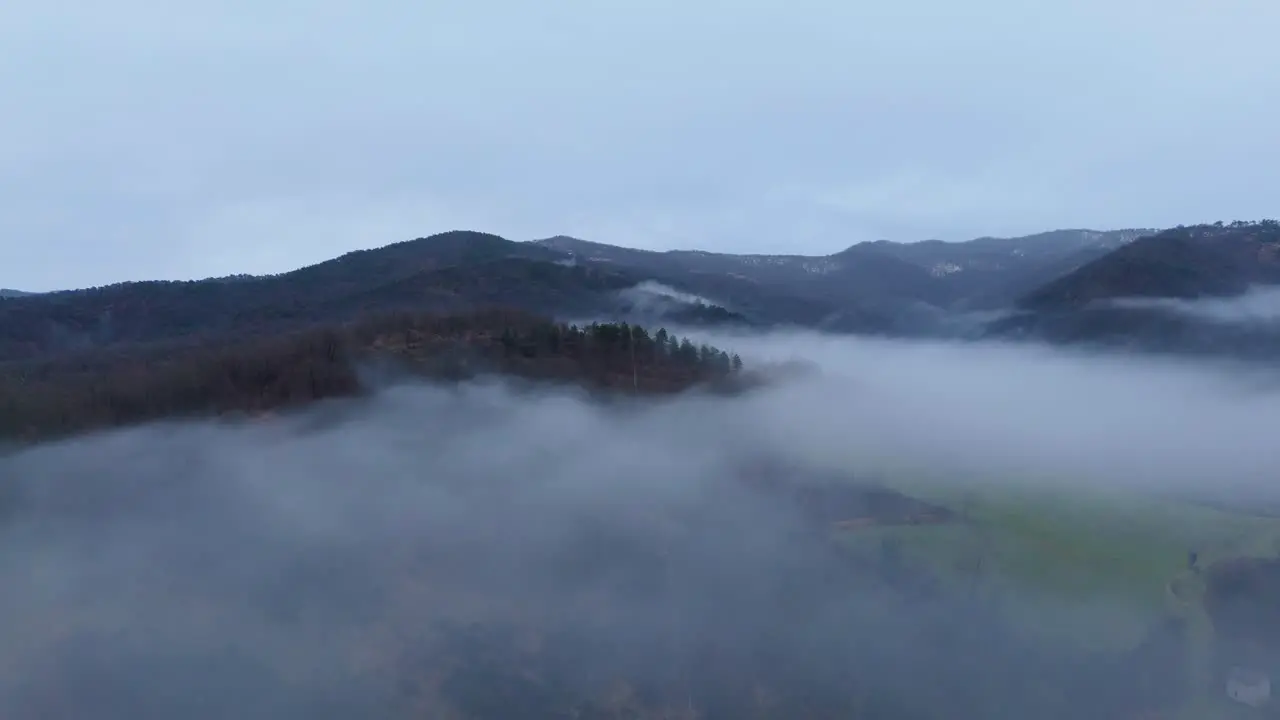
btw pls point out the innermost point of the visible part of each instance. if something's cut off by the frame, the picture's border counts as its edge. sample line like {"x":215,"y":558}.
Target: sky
{"x":142,"y":139}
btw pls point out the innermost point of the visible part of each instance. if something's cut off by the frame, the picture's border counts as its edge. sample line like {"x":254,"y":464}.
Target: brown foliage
{"x":139,"y":384}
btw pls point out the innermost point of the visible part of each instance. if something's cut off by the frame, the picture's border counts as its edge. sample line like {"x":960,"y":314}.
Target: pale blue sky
{"x":147,"y":139}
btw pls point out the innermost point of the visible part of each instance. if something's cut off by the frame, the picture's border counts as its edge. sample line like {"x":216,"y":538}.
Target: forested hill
{"x":448,"y":306}
{"x":1218,"y":260}
{"x":101,"y":389}
{"x":877,"y":288}
{"x":449,"y":272}
{"x":1138,"y":296}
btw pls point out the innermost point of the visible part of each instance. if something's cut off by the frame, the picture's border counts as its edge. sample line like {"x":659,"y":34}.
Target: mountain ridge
{"x":876,"y":272}
{"x":930,"y":288}
{"x":455,"y":271}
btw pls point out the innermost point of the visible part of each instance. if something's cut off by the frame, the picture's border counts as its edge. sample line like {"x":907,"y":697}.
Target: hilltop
{"x":451,"y":272}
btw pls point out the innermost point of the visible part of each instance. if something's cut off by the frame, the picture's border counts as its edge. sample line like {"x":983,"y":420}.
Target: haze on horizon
{"x":142,"y":140}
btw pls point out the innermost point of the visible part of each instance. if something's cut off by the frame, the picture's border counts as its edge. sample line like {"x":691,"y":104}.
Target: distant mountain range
{"x":7,"y":293}
{"x":1044,"y":286}
{"x":987,"y":272}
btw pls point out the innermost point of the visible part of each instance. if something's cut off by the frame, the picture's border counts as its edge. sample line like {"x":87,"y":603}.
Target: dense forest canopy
{"x":112,"y":387}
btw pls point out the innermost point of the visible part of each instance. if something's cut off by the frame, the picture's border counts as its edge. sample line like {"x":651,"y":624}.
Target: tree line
{"x":115,"y":387}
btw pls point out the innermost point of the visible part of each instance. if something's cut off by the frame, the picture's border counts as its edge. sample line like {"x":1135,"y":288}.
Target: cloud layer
{"x":1260,"y":306}
{"x":293,"y":567}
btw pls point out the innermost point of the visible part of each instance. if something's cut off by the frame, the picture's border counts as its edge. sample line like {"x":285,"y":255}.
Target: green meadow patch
{"x":1099,"y":564}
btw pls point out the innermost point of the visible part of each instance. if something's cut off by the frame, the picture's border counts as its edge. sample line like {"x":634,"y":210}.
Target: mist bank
{"x":425,"y":548}
{"x":1014,"y":412}
{"x":1239,"y":327}
{"x":1260,"y":305}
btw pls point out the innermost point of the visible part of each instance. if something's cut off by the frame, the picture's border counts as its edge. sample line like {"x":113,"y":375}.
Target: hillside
{"x":133,"y":312}
{"x":1128,"y":297}
{"x":1186,"y":262}
{"x":450,"y":272}
{"x":768,"y":289}
{"x":991,"y":272}
{"x":878,"y":281}
{"x":109,"y":388}
{"x":845,"y":279}
{"x":881,"y":287}
{"x":7,"y":293}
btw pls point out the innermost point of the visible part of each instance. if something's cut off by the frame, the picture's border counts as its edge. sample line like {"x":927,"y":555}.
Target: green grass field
{"x":1102,"y":561}
{"x":1103,"y":567}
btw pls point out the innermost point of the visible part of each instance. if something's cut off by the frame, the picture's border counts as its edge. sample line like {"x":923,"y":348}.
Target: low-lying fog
{"x":1259,"y":306}
{"x":310,"y":566}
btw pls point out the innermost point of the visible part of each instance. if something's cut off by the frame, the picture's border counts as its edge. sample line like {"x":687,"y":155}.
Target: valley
{"x":639,"y":361}
{"x":580,"y":480}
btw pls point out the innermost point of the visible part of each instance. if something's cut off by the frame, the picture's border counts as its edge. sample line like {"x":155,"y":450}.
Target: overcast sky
{"x":147,"y":139}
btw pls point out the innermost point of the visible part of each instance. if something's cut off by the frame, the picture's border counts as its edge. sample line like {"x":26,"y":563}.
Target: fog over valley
{"x":490,"y":551}
{"x":639,"y":360}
